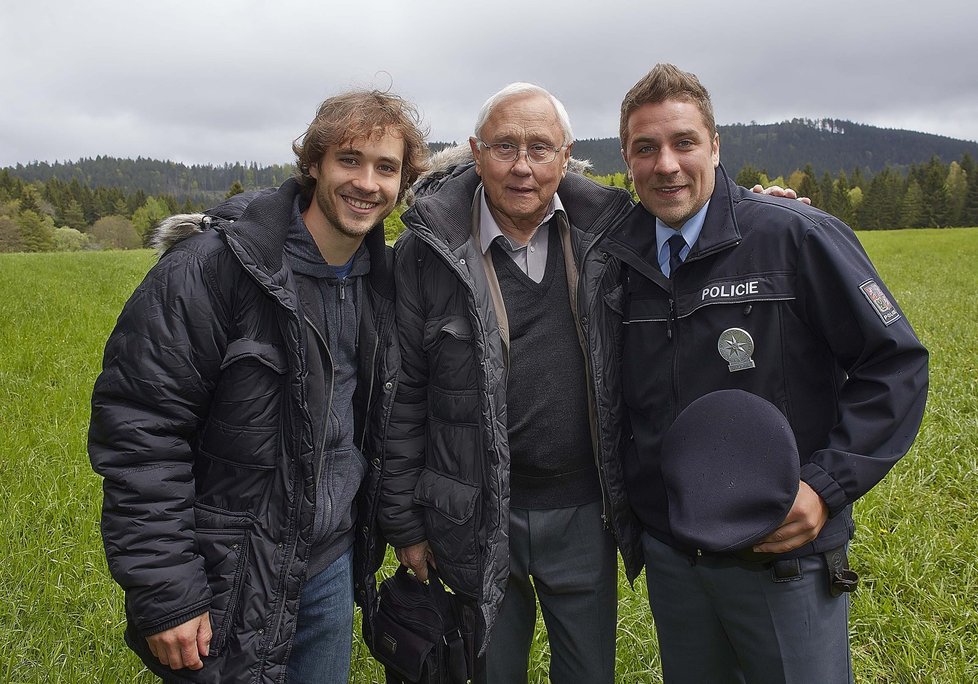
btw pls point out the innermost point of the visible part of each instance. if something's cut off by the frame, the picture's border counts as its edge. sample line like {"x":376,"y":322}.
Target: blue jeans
{"x":323,"y":642}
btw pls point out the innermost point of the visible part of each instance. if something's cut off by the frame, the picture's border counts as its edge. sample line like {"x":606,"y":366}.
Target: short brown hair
{"x":359,"y":114}
{"x":666,"y":82}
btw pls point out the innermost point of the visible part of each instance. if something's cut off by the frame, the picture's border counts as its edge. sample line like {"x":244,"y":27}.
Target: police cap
{"x":731,"y":471}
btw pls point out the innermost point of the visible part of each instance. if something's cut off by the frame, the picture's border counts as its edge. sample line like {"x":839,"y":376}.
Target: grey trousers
{"x":565,"y":558}
{"x":721,"y":620}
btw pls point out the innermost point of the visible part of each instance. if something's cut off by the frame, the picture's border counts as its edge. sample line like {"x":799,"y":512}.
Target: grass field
{"x":914,"y":618}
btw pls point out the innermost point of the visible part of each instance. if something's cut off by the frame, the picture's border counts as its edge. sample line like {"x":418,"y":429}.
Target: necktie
{"x":676,"y":244}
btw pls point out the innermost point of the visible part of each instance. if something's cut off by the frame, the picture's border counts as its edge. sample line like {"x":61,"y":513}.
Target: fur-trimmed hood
{"x":173,"y":229}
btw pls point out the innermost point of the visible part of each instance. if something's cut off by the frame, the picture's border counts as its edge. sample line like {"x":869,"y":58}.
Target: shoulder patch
{"x":880,"y":302}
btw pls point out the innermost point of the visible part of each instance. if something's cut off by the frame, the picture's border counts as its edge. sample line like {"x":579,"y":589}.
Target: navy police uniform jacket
{"x":778,"y":299}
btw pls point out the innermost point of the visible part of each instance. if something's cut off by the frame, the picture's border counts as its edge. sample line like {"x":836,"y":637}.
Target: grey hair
{"x":519,"y":88}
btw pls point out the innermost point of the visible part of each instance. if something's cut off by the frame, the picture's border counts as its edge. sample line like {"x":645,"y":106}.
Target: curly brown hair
{"x":359,"y":114}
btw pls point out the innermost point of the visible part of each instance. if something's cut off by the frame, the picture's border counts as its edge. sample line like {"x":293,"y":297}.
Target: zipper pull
{"x":342,"y":289}
{"x":672,"y":316}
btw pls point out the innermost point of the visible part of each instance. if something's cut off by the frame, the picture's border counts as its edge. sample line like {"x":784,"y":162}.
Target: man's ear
{"x":314,"y":170}
{"x":567,"y":156}
{"x":474,"y":144}
{"x":628,"y":169}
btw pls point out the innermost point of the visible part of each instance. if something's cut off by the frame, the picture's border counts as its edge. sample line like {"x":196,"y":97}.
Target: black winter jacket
{"x":446,"y":478}
{"x":831,"y":348}
{"x":200,"y":429}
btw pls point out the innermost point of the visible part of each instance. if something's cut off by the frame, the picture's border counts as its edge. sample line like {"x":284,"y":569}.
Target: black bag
{"x":419,"y":633}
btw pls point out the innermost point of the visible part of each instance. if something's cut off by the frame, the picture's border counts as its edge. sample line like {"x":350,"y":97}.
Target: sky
{"x":214,"y":81}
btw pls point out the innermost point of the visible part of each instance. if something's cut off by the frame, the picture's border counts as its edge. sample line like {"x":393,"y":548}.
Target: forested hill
{"x":829,"y":145}
{"x":198,"y":183}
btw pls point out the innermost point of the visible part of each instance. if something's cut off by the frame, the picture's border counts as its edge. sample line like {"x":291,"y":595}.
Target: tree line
{"x":64,"y":215}
{"x":826,"y":144}
{"x":55,"y":215}
{"x":930,"y":195}
{"x":199,"y":183}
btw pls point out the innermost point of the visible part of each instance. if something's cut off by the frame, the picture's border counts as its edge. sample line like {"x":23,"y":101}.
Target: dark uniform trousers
{"x":723,"y":620}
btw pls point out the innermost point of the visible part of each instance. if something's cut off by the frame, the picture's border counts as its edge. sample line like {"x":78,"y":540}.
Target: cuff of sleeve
{"x":172,"y":621}
{"x":826,"y":487}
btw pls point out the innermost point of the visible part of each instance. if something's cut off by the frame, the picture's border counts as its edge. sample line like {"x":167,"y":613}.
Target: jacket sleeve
{"x":881,"y":402}
{"x":158,"y":372}
{"x":401,"y":520}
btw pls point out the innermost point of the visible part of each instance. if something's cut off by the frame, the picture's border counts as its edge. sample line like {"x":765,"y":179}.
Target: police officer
{"x":727,"y":289}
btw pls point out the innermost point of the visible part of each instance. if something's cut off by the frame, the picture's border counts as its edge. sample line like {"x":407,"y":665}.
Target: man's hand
{"x":778,"y":191}
{"x":182,"y":646}
{"x":803,"y":523}
{"x":417,"y":557}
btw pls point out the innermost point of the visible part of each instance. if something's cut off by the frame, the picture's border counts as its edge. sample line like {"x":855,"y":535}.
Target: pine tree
{"x":839,"y":205}
{"x":235,"y":189}
{"x":74,"y":216}
{"x":956,"y":184}
{"x":36,"y":231}
{"x":969,"y":212}
{"x":808,"y":187}
{"x":912,"y":207}
{"x":748,"y":176}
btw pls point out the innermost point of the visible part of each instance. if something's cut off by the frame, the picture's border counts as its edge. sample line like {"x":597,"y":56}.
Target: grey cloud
{"x":220,"y":81}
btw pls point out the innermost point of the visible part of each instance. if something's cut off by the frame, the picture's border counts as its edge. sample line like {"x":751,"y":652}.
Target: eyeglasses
{"x":537,"y":153}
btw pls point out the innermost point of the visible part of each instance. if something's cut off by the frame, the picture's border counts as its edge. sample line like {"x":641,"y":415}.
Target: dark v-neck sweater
{"x":552,"y":461}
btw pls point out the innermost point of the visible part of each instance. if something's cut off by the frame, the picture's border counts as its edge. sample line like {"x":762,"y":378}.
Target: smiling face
{"x":672,"y":158}
{"x":519,"y":192}
{"x":357,"y":183}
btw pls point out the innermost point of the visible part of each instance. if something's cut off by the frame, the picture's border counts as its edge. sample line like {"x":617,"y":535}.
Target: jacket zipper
{"x":329,"y":399}
{"x":428,"y":238}
{"x":370,"y":389}
{"x":606,"y":519}
{"x":267,"y":636}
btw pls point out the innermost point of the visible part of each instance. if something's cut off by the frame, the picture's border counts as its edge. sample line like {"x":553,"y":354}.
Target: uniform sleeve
{"x":401,"y":520}
{"x":158,"y":372}
{"x":881,"y":402}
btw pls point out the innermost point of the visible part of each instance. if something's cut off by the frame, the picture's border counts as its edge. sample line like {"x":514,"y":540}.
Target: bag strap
{"x":458,"y":670}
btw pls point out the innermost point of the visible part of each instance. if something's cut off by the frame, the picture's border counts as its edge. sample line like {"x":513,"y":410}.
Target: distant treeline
{"x":930,"y":195}
{"x":829,"y":145}
{"x":200,"y":184}
{"x":100,"y":203}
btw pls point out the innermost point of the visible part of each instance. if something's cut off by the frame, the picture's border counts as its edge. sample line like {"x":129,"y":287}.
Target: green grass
{"x":914,"y":618}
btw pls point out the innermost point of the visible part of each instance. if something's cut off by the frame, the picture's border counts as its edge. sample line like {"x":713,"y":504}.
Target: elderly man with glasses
{"x":502,"y":463}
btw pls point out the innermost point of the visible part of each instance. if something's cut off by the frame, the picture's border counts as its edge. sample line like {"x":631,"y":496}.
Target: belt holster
{"x":842,"y":580}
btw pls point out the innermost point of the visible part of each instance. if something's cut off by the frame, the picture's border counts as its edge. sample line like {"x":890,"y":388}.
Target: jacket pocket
{"x":244,"y":422}
{"x":449,"y":345}
{"x":224,"y":543}
{"x":457,"y":327}
{"x":614,"y":300}
{"x":452,"y":528}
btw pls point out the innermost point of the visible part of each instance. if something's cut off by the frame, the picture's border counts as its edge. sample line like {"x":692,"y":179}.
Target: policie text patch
{"x":881,"y":303}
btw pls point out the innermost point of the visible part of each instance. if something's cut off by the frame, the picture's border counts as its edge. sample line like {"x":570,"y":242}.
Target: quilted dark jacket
{"x":201,"y":431}
{"x":447,"y":474}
